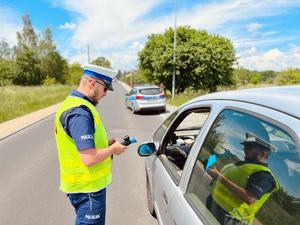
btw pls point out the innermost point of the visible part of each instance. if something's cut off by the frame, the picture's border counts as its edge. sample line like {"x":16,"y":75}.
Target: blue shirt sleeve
{"x":260,"y":183}
{"x":80,"y":127}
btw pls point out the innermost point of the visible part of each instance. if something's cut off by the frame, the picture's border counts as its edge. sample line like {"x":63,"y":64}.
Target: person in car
{"x":240,"y":189}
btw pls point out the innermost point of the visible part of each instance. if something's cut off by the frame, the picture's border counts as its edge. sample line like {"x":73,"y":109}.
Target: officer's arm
{"x":92,"y":156}
{"x":240,"y":192}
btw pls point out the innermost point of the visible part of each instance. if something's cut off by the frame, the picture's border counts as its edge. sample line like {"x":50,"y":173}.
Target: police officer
{"x":241,"y":188}
{"x":84,"y":150}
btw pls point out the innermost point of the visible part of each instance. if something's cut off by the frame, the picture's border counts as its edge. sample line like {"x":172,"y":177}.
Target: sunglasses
{"x":105,"y":87}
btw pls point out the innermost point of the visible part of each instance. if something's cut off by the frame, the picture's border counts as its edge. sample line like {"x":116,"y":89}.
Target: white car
{"x":146,"y":98}
{"x":210,"y":133}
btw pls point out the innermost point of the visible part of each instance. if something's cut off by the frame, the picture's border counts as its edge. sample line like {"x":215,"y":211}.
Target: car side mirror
{"x":146,"y":149}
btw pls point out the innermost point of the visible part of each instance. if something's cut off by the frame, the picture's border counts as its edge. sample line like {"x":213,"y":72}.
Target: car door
{"x":169,"y":162}
{"x":221,"y":145}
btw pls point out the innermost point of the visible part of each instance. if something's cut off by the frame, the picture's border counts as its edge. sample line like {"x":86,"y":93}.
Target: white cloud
{"x":116,"y":24}
{"x":253,"y":27}
{"x":272,"y":59}
{"x":10,"y":23}
{"x":68,"y":26}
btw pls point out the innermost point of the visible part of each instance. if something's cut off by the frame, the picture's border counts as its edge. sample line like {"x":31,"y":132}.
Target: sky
{"x":265,"y":33}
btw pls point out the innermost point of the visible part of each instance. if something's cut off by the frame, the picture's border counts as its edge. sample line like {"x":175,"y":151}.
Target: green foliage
{"x":52,"y":63}
{"x":7,"y":72}
{"x":290,"y":76}
{"x":34,"y":59}
{"x":244,"y":76}
{"x":255,"y":78}
{"x":75,"y":72}
{"x":49,"y":81}
{"x":203,"y":61}
{"x":27,"y":69}
{"x":55,"y":66}
{"x":101,"y":61}
{"x":139,"y":77}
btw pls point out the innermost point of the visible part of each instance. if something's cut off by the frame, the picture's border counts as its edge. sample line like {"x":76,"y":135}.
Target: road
{"x":29,"y":173}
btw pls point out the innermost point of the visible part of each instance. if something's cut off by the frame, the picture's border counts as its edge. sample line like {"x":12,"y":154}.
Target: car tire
{"x":150,"y":200}
{"x":134,"y":111}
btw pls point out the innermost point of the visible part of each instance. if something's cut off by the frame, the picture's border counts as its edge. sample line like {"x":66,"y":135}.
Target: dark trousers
{"x":89,"y":207}
{"x":220,"y":214}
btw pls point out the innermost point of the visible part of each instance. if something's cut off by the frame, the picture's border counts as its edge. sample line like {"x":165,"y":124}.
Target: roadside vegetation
{"x":243,"y":79}
{"x":33,"y":73}
{"x":17,"y":101}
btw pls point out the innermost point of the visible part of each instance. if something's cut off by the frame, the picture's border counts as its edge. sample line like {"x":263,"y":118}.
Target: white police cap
{"x":253,"y":140}
{"x":101,"y":73}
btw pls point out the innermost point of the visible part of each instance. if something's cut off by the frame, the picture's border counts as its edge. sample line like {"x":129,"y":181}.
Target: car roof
{"x":284,"y":98}
{"x":145,"y":86}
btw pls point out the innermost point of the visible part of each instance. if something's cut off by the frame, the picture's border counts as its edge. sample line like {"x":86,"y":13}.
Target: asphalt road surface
{"x":29,"y":172}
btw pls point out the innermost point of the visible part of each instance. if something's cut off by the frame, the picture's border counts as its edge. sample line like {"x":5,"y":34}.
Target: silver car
{"x":227,"y":158}
{"x":146,"y":98}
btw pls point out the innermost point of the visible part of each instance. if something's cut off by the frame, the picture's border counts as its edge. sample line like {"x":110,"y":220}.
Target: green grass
{"x":17,"y":101}
{"x":189,"y":94}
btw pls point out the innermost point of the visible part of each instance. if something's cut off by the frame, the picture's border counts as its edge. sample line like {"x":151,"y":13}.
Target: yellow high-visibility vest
{"x":75,"y":177}
{"x":230,"y":202}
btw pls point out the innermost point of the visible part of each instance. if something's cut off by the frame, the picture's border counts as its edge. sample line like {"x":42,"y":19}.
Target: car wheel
{"x":149,"y":200}
{"x":134,"y":111}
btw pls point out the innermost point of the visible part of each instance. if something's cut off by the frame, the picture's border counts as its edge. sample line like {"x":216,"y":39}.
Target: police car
{"x":146,"y":98}
{"x":209,"y":134}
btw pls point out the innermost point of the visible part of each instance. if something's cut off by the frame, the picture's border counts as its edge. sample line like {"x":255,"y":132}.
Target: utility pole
{"x":88,"y":53}
{"x":174,"y":54}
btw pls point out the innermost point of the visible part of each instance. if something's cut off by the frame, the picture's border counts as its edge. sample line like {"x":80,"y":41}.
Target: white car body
{"x":146,"y":98}
{"x":174,"y":194}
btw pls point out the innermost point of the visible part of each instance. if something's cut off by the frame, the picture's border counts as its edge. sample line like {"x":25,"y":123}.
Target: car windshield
{"x":150,"y":91}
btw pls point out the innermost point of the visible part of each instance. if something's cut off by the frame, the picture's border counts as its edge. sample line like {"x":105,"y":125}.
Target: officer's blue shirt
{"x":260,"y":182}
{"x":79,"y":124}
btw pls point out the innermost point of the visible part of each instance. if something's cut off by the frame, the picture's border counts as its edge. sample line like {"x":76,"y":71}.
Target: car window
{"x":150,"y":91}
{"x":159,"y":133}
{"x":246,"y":172}
{"x":179,"y":140}
{"x":132,"y":92}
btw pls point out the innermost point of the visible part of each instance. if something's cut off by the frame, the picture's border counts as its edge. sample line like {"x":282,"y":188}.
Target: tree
{"x":52,"y":64}
{"x":7,"y":65}
{"x":27,"y":39}
{"x":27,"y":61}
{"x":7,"y":72}
{"x":75,"y":72}
{"x":101,"y":61}
{"x":5,"y":50}
{"x":290,"y":76}
{"x":255,"y":78}
{"x":27,"y":69}
{"x":203,"y":61}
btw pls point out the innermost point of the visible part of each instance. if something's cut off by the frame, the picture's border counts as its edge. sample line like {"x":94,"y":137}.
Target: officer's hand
{"x":118,"y":148}
{"x":214,"y":173}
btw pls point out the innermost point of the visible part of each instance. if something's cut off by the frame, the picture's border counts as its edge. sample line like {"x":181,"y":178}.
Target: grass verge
{"x":18,"y":101}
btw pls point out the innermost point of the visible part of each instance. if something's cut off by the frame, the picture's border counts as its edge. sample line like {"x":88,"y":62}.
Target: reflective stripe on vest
{"x":75,"y":177}
{"x":230,"y":202}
